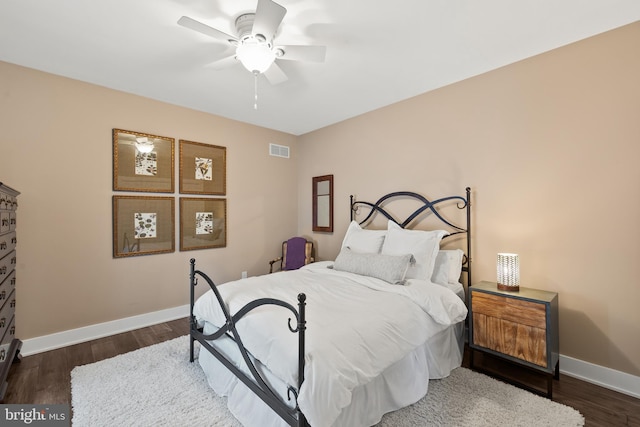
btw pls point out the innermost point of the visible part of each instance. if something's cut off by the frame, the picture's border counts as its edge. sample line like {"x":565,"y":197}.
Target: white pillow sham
{"x":423,"y":245}
{"x":390,"y":268}
{"x":440,"y":274}
{"x":447,"y":267}
{"x":363,"y":241}
{"x":455,"y":264}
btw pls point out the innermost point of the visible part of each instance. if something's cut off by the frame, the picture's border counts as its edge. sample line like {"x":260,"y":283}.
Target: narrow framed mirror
{"x":323,"y":203}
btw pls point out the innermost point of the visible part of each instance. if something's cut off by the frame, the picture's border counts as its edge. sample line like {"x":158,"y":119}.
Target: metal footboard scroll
{"x":255,"y":382}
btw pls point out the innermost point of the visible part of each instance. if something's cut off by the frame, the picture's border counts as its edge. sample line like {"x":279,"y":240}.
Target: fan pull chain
{"x":255,"y":86}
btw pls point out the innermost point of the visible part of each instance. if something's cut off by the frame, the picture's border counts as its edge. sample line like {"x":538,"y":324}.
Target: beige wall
{"x":55,"y":139}
{"x":550,"y":147}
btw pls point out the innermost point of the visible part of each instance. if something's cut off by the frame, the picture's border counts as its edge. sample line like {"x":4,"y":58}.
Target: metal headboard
{"x":426,"y":206}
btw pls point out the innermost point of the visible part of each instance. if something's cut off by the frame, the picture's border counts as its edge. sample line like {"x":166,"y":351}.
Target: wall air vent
{"x":279,"y":150}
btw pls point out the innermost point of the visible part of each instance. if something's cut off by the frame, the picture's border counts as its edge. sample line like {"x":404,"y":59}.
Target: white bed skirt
{"x":400,"y":385}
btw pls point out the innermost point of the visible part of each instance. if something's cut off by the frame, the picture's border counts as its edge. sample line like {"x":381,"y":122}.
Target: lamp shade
{"x":508,"y":272}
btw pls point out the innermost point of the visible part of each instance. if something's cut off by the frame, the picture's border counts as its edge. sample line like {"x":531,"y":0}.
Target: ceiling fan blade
{"x":303,"y":53}
{"x":269,"y":15}
{"x":223,"y":63}
{"x":192,"y":24}
{"x":275,"y":75}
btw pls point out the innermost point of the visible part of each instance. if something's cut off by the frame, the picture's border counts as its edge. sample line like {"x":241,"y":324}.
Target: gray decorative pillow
{"x":390,"y":268}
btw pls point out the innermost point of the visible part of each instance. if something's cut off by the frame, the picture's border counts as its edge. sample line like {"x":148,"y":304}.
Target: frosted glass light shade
{"x":508,"y":272}
{"x":256,"y":57}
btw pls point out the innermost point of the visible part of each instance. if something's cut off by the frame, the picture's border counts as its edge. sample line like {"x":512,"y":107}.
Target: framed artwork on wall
{"x":203,"y":168}
{"x":143,"y":225}
{"x":142,"y":162}
{"x":203,"y":223}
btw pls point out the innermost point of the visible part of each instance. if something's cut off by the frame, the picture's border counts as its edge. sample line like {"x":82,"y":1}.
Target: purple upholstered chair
{"x":296,"y":252}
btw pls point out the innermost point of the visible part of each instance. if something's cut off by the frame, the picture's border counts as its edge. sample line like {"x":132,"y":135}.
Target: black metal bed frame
{"x":255,"y":382}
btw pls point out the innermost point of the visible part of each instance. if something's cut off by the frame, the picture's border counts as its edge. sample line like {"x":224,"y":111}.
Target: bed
{"x":342,"y":342}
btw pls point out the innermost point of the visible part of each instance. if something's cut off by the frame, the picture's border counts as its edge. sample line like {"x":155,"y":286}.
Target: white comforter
{"x":357,"y":326}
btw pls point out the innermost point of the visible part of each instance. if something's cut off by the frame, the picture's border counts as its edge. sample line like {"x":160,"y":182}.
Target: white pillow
{"x":389,"y":268}
{"x":447,"y":267}
{"x":441,"y":269}
{"x":423,"y":245}
{"x":363,"y":241}
{"x":455,"y":264}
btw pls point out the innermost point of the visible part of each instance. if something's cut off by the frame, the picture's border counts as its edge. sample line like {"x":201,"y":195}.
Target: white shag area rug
{"x":158,"y":386}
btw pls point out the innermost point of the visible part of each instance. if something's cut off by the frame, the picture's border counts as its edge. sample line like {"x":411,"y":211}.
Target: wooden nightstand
{"x":521,"y":327}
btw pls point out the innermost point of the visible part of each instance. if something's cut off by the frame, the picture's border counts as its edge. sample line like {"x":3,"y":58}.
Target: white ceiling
{"x":378,"y":52}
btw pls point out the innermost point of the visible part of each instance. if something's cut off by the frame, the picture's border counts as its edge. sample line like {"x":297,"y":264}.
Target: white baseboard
{"x":600,"y":375}
{"x":74,"y":336}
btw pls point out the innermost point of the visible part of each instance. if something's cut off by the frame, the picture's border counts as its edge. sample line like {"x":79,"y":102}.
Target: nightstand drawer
{"x":519,"y":311}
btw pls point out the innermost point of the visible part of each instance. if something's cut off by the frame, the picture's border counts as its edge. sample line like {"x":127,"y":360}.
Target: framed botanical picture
{"x":143,"y":225}
{"x":203,"y":223}
{"x":143,"y":162}
{"x":203,"y":168}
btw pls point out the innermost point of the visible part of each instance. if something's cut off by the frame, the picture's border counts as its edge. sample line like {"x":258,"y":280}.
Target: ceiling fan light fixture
{"x":255,"y":56}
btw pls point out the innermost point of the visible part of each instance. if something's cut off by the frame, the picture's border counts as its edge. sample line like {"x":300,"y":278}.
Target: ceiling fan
{"x":254,"y":43}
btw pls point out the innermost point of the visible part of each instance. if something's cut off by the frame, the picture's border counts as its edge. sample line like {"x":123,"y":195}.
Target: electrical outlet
{"x":244,"y":274}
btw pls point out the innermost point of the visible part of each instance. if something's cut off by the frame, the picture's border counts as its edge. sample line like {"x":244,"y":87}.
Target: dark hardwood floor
{"x":45,"y":378}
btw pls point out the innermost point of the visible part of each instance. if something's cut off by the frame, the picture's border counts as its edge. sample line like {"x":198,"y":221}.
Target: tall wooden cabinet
{"x":9,"y":344}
